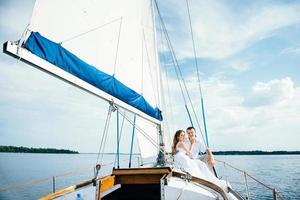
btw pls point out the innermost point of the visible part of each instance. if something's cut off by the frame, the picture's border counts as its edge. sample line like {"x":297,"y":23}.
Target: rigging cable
{"x":91,"y":30}
{"x":142,"y":73}
{"x":116,"y":56}
{"x":198,"y":74}
{"x":150,"y":71}
{"x":171,"y":113}
{"x":180,"y":86}
{"x":120,"y":134}
{"x":152,"y":141}
{"x":104,"y":135}
{"x":156,"y":63}
{"x":132,"y":139}
{"x":118,"y":139}
{"x":174,"y":64}
{"x":199,"y":83}
{"x":179,"y":70}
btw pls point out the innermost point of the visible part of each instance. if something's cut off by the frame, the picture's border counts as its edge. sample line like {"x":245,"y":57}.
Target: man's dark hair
{"x":190,"y":128}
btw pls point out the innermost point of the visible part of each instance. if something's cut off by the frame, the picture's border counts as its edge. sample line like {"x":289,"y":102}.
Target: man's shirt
{"x":198,"y":147}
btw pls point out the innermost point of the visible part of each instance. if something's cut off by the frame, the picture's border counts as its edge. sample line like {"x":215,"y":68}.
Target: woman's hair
{"x":175,"y":141}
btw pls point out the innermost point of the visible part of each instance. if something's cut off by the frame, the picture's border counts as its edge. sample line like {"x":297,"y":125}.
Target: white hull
{"x":145,"y":183}
{"x":180,"y":189}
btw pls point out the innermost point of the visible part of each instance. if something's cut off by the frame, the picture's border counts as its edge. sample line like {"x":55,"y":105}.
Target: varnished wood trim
{"x":164,"y":170}
{"x":107,"y":180}
{"x":138,"y":179}
{"x":59,"y":193}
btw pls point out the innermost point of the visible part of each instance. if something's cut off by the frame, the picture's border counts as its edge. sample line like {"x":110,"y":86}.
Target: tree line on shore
{"x":14,"y":149}
{"x":256,"y":152}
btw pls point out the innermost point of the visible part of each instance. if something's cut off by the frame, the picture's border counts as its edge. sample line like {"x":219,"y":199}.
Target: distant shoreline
{"x":256,"y":152}
{"x":21,"y":149}
{"x":14,"y":149}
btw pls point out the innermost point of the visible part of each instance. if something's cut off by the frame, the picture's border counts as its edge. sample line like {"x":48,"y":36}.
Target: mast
{"x":164,"y":137}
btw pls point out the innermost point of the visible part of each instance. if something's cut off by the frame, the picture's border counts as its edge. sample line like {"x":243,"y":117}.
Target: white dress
{"x":184,"y":162}
{"x":196,"y":168}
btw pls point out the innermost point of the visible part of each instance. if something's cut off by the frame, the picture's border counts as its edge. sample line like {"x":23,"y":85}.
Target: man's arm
{"x":210,"y":158}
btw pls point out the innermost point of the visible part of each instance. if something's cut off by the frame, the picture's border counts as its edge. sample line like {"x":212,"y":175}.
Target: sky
{"x":249,"y":59}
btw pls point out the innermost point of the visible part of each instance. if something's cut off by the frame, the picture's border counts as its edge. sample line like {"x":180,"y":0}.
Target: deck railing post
{"x":247,"y":188}
{"x":274,"y":194}
{"x":53,"y":183}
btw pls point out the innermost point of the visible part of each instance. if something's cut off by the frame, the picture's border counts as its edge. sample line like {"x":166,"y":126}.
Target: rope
{"x":116,"y":57}
{"x":91,"y":30}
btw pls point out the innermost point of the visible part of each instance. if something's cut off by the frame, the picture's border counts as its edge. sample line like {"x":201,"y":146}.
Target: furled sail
{"x":114,"y":39}
{"x":59,"y":56}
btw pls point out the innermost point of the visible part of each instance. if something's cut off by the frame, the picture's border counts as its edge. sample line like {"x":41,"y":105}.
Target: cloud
{"x":240,"y":65}
{"x":233,"y":125}
{"x":291,"y":50}
{"x":272,"y":92}
{"x":54,"y":113}
{"x":38,"y":110}
{"x":221,"y":31}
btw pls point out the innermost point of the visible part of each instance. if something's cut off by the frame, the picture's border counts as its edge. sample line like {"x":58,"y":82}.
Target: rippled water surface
{"x":31,"y":175}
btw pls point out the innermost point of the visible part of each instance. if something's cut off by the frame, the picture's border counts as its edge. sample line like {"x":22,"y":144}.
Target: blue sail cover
{"x":62,"y":58}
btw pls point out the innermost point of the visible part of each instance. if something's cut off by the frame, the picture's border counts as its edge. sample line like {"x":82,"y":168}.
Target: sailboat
{"x":109,"y":49}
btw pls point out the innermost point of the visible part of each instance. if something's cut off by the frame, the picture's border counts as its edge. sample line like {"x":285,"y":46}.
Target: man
{"x":199,"y":147}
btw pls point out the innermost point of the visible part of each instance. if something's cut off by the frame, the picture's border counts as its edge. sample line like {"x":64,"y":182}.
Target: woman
{"x":195,"y":167}
{"x":180,"y":151}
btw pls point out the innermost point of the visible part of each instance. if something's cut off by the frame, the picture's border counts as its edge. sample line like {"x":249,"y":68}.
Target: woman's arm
{"x":187,"y":150}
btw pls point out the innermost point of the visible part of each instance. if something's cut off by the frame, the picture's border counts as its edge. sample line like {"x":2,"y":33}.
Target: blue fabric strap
{"x":62,"y":58}
{"x":204,"y":122}
{"x":190,"y":118}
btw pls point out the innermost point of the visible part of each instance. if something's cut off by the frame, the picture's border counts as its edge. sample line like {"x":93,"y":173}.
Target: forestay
{"x":116,"y":37}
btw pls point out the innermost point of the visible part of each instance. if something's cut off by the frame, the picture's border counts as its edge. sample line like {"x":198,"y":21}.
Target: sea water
{"x":30,"y":176}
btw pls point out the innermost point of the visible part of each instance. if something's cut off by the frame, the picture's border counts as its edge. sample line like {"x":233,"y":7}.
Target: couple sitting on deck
{"x":186,"y":156}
